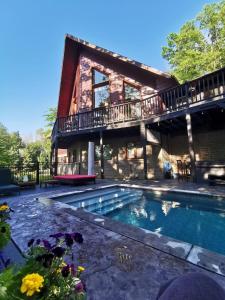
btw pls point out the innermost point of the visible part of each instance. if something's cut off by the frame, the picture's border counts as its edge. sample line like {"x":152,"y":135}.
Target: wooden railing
{"x":205,"y":88}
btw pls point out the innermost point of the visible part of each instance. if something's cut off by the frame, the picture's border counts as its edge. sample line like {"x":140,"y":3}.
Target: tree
{"x":198,"y":48}
{"x":10,"y":147}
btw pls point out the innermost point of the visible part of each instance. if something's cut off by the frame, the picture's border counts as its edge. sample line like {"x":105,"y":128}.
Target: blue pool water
{"x":198,"y":220}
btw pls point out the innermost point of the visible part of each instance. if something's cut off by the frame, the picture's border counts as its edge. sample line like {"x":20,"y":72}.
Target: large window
{"x":131,"y":92}
{"x":100,"y":89}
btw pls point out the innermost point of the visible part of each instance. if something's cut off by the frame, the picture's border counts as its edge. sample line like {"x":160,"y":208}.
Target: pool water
{"x":198,"y":220}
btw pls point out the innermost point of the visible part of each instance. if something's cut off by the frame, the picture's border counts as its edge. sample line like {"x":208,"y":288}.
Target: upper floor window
{"x":99,"y":77}
{"x":100,"y":89}
{"x":131,"y":92}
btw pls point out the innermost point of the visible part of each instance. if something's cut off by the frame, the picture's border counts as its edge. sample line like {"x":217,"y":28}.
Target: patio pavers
{"x":117,"y":267}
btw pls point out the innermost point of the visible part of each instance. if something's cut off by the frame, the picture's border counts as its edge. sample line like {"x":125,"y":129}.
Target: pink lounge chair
{"x":75,"y":179}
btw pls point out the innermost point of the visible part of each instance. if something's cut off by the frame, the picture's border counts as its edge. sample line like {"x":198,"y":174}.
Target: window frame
{"x":138,"y":87}
{"x":98,"y":85}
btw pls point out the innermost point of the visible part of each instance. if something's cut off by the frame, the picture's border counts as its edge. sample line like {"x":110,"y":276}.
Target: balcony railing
{"x":206,"y":88}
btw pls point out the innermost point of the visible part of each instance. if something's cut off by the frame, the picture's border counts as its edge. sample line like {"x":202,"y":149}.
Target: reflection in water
{"x":195,"y":219}
{"x":167,"y":205}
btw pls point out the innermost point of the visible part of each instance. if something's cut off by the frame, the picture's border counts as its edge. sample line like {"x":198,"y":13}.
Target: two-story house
{"x":137,"y":116}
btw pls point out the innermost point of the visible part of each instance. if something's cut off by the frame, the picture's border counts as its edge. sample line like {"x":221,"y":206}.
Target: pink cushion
{"x":74,"y":177}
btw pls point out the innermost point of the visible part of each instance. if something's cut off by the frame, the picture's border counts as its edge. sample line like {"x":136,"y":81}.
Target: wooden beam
{"x":144,"y":144}
{"x":50,"y":162}
{"x":191,"y":146}
{"x":102,"y":155}
{"x":56,"y":158}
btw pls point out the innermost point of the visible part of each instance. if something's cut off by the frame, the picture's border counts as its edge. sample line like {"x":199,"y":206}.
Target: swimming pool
{"x":196,"y":219}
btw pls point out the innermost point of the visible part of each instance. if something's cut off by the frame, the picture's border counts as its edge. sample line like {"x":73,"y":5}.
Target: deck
{"x":197,"y":95}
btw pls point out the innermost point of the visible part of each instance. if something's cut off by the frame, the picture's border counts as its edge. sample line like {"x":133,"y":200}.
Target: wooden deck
{"x":196,"y":95}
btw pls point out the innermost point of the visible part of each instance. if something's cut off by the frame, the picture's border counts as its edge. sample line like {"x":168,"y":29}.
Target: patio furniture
{"x":216,"y":179}
{"x":7,"y":183}
{"x":27,"y":184}
{"x":183,"y":170}
{"x":75,"y":179}
{"x":49,"y":182}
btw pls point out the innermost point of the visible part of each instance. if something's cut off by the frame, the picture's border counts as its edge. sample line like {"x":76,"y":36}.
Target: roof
{"x":73,"y":45}
{"x":118,"y":56}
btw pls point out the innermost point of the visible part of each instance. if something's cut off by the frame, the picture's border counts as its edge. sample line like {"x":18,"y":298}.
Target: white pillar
{"x":91,"y":158}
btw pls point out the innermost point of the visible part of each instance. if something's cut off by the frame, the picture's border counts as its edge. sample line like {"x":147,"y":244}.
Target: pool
{"x":196,"y":219}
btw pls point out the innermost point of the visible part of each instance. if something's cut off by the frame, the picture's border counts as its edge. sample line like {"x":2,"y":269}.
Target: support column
{"x":56,"y":159}
{"x":101,"y":155}
{"x":50,"y":162}
{"x":144,"y":144}
{"x":91,"y":158}
{"x":191,"y":146}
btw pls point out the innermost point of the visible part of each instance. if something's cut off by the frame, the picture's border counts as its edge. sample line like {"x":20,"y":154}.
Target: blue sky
{"x":32,"y":39}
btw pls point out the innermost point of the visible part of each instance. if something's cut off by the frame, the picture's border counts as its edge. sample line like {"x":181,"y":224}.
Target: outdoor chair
{"x":7,"y":184}
{"x":183,"y":170}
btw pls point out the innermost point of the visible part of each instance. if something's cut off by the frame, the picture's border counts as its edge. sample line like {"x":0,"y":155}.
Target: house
{"x":137,"y":116}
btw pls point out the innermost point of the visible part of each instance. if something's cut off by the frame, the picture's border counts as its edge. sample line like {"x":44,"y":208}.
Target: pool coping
{"x":193,"y":254}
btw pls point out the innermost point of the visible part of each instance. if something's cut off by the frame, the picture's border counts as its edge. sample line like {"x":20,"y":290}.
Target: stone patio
{"x":117,"y":266}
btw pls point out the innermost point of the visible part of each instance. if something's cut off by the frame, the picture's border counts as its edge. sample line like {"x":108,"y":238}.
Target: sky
{"x":32,"y":36}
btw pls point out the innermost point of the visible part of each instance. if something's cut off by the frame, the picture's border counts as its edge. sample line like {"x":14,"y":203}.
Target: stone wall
{"x":82,"y":94}
{"x":209,"y":145}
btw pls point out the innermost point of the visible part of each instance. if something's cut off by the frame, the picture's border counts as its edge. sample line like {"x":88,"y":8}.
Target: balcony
{"x":206,"y":90}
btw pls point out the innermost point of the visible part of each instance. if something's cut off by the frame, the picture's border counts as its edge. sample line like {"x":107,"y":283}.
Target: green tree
{"x":10,"y":147}
{"x":198,"y":48}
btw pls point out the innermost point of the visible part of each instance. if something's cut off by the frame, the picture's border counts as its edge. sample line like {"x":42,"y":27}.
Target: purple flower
{"x":45,"y":259}
{"x":38,"y":241}
{"x":46,"y":244}
{"x":72,"y":269}
{"x":78,"y":237}
{"x":57,"y":235}
{"x":79,"y":287}
{"x":30,"y":243}
{"x":68,"y":240}
{"x":65,"y":271}
{"x":58,"y":251}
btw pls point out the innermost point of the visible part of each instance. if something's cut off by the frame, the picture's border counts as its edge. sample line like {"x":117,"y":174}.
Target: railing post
{"x":37,"y":172}
{"x":102,"y":155}
{"x":191,"y":146}
{"x":144,"y":145}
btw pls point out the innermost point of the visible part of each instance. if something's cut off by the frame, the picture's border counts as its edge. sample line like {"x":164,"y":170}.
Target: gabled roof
{"x":73,"y":46}
{"x":118,"y":56}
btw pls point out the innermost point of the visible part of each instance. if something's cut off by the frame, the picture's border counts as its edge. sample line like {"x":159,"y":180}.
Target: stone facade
{"x":82,"y":95}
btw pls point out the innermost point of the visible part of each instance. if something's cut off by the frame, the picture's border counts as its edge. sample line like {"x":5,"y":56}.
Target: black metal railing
{"x":39,"y":172}
{"x":180,"y":97}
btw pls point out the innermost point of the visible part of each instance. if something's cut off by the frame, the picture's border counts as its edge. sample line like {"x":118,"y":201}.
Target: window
{"x":131,"y":92}
{"x":131,"y":151}
{"x":101,"y":96}
{"x":99,"y":77}
{"x":134,"y":150}
{"x":107,"y":152}
{"x":100,"y":89}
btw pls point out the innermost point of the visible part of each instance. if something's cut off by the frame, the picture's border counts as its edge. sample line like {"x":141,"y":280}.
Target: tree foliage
{"x":199,"y":47}
{"x":13,"y":151}
{"x":11,"y":145}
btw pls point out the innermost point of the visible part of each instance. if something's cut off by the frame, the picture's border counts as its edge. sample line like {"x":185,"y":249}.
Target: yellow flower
{"x":81,"y":269}
{"x":4,"y":207}
{"x":31,"y":283}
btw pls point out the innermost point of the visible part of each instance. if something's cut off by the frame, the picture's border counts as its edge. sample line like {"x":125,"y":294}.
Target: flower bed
{"x":45,"y":275}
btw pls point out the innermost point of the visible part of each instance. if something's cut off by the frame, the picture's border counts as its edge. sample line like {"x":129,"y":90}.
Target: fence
{"x":40,"y":172}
